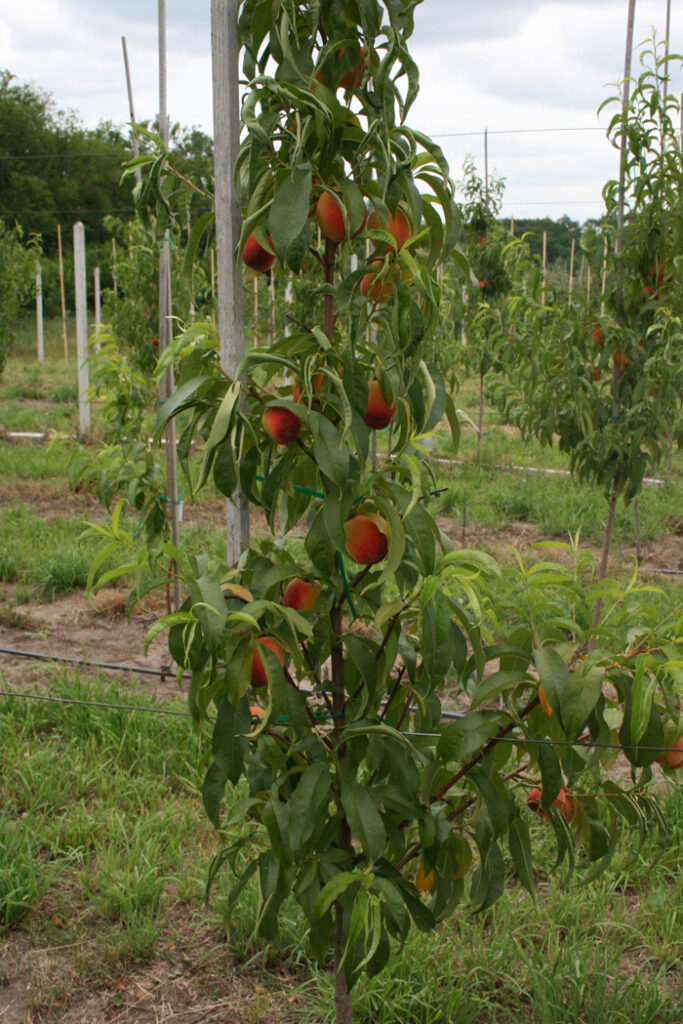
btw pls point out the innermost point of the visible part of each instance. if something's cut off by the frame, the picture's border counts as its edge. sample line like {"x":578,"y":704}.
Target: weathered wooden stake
{"x":62,"y":296}
{"x":81,"y":290}
{"x":226,"y":133}
{"x":129,"y":87}
{"x":571,"y":269}
{"x":39,"y":315}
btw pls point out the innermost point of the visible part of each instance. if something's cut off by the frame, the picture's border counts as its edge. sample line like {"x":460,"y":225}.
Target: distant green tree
{"x":18,"y":261}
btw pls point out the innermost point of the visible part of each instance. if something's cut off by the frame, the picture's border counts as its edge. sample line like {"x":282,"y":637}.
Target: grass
{"x":558,"y":506}
{"x":48,"y":555}
{"x":104,"y":850}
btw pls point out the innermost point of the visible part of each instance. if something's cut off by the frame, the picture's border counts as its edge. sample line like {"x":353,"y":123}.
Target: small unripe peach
{"x":424,"y":880}
{"x":544,"y":701}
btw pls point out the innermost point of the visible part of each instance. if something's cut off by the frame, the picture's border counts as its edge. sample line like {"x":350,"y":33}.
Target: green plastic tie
{"x":347,"y":591}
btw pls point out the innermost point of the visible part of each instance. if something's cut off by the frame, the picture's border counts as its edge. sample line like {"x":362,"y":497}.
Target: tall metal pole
{"x":166,"y":384}
{"x":226,"y":133}
{"x":129,"y":87}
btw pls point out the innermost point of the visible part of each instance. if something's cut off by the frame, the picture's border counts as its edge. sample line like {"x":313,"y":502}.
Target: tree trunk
{"x":636,"y":516}
{"x":480,"y":420}
{"x":607,"y":538}
{"x":343,"y":1007}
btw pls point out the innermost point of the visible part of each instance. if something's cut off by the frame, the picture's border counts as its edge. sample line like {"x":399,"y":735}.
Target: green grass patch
{"x":102,"y":831}
{"x":49,"y":555}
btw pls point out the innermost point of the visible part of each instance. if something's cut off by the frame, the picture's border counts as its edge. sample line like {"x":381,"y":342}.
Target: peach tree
{"x":607,"y":385}
{"x":322,"y":659}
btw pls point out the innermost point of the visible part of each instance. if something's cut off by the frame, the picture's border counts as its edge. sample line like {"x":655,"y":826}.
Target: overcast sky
{"x":533,"y":72}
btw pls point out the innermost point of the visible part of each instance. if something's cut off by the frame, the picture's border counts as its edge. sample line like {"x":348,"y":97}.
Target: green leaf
{"x":208,"y":604}
{"x":579,"y":697}
{"x":553,"y":674}
{"x":364,"y":819}
{"x":520,"y":849}
{"x":221,"y":422}
{"x":213,"y":789}
{"x":229,"y":743}
{"x":330,"y":451}
{"x":333,"y":889}
{"x":465,"y":737}
{"x":288,"y":217}
{"x":492,"y":686}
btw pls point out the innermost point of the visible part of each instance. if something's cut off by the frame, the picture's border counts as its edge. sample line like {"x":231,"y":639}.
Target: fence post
{"x":39,"y":315}
{"x":81,"y":290}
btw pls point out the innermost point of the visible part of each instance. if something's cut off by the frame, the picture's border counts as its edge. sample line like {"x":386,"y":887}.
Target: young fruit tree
{"x":608,"y":386}
{"x":323,"y":662}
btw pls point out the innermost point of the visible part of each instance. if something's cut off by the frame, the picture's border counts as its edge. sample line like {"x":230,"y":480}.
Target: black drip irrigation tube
{"x":162,"y":673}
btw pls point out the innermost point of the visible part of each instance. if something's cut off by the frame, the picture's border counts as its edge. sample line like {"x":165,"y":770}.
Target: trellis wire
{"x":519,"y":740}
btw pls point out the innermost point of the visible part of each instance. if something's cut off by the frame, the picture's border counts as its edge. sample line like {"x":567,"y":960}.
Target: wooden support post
{"x":60,"y":257}
{"x":113,"y":267}
{"x":39,"y":316}
{"x":545,"y":265}
{"x":129,"y":87}
{"x":571,"y":269}
{"x":165,"y":324}
{"x":226,"y":133}
{"x":81,"y":290}
{"x":212,"y":272}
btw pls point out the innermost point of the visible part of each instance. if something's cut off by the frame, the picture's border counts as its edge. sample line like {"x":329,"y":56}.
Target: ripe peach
{"x":329,"y":216}
{"x":398,"y":227}
{"x":365,"y":541}
{"x":599,"y":336}
{"x":379,"y":413}
{"x":317,"y":387}
{"x":258,"y":672}
{"x":377,"y":290}
{"x":562,"y":801}
{"x":619,"y":358}
{"x":672,"y":758}
{"x":301,"y":594}
{"x":255,"y":256}
{"x":351,"y":79}
{"x":282,"y":425}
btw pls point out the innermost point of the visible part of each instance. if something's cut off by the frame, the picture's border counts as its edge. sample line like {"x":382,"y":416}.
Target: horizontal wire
{"x":518,"y":740}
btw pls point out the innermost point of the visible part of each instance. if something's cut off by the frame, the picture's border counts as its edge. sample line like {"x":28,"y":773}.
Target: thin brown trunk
{"x":636,"y":516}
{"x":480,"y":420}
{"x":606,"y":541}
{"x":343,"y":1007}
